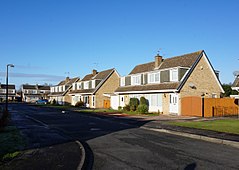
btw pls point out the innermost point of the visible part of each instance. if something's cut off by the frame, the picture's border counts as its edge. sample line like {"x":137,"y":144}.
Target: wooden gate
{"x":191,"y":106}
{"x":106,"y":104}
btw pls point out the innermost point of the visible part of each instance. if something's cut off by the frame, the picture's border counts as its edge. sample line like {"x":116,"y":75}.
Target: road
{"x":120,"y":143}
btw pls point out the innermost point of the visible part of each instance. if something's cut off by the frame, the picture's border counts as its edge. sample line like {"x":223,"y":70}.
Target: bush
{"x":133,"y":103}
{"x":126,"y":108}
{"x":143,"y":100}
{"x":80,"y":104}
{"x":54,"y":102}
{"x":143,"y":108}
{"x":119,"y":108}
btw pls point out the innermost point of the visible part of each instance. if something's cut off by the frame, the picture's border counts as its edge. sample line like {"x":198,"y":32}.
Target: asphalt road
{"x":120,"y":143}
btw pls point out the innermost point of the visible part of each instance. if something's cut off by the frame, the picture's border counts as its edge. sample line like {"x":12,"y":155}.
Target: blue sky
{"x":48,"y":40}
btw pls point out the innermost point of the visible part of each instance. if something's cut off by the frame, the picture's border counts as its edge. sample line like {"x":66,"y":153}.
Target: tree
{"x":228,"y":90}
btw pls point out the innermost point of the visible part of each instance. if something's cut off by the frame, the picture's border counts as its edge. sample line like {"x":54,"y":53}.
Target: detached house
{"x":164,"y":82}
{"x":32,"y":93}
{"x":95,"y":89}
{"x":11,"y":92}
{"x":59,"y":93}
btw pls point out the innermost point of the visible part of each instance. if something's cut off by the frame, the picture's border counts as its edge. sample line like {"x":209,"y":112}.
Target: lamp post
{"x":9,"y":65}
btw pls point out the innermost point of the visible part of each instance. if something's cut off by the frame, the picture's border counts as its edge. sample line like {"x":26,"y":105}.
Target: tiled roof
{"x":26,"y":86}
{"x":186,"y":60}
{"x":87,"y":77}
{"x":10,"y":86}
{"x":162,"y":86}
{"x":68,"y":81}
{"x":103,"y":74}
{"x":44,"y":87}
{"x":236,"y":82}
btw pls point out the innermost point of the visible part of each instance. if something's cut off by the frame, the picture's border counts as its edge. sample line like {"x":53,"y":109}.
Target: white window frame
{"x":152,"y":77}
{"x":86,"y":85}
{"x":93,"y":84}
{"x":136,"y":80}
{"x":174,"y":74}
{"x":122,"y":81}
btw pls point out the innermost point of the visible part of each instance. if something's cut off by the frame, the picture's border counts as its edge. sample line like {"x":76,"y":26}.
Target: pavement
{"x":58,"y":156}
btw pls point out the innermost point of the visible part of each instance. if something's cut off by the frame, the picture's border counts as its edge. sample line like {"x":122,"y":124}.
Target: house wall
{"x":166,"y":103}
{"x":67,"y":99}
{"x":109,"y":86}
{"x":204,"y":82}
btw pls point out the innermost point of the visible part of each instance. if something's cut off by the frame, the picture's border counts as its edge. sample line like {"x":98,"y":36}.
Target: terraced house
{"x":164,"y":82}
{"x":235,"y":86}
{"x":60,"y":92}
{"x":95,"y":88}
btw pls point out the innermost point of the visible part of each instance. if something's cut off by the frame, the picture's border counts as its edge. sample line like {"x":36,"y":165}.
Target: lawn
{"x":10,"y":143}
{"x":227,"y":125}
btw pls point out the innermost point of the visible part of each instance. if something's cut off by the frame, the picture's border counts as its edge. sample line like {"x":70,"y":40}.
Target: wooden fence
{"x":209,"y":107}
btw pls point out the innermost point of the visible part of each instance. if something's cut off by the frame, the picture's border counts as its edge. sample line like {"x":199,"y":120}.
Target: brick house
{"x":95,"y":88}
{"x":60,"y":92}
{"x":32,"y":93}
{"x":164,"y":82}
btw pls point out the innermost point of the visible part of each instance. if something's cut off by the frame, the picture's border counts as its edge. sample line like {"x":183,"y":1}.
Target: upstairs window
{"x":154,"y":77}
{"x":86,"y":85}
{"x":136,"y":80}
{"x":174,"y":75}
{"x":122,"y":81}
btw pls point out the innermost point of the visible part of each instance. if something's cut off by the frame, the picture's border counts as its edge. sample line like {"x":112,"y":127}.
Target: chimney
{"x":67,"y":79}
{"x":158,"y":60}
{"x":94,"y":72}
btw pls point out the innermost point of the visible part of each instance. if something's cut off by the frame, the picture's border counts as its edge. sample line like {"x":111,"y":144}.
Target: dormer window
{"x":153,"y":77}
{"x":122,"y":81}
{"x":136,"y":80}
{"x":86,"y":85}
{"x":174,"y":74}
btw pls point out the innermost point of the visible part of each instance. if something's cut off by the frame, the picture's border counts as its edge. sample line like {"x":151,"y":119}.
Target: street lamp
{"x":9,"y":65}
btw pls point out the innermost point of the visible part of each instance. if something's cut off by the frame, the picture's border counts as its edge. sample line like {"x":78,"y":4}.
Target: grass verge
{"x":11,"y":142}
{"x":227,"y":126}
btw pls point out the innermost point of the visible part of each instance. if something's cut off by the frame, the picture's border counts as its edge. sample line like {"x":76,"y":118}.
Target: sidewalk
{"x":65,"y":156}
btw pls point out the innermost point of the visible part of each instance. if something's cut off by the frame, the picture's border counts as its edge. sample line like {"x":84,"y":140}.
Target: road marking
{"x":95,"y":129}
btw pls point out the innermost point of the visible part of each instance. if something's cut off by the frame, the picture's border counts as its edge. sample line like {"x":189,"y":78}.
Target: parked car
{"x":42,"y":101}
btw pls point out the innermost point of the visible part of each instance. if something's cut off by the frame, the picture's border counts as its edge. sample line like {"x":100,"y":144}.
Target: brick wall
{"x":108,"y":87}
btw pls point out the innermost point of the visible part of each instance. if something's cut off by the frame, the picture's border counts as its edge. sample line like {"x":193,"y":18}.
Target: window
{"x":136,"y":80}
{"x":174,"y":75}
{"x":79,"y":86}
{"x":122,"y":81}
{"x":154,"y":77}
{"x":86,"y":85}
{"x":93,"y":84}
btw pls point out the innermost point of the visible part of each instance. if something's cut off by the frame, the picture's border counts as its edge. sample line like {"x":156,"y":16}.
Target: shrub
{"x":126,"y":108}
{"x":143,"y":100}
{"x":133,"y":103}
{"x":143,"y":108}
{"x":54,"y":102}
{"x":119,"y":108}
{"x":79,"y":104}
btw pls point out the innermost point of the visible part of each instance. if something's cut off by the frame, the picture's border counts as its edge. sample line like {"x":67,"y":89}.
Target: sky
{"x":48,"y":40}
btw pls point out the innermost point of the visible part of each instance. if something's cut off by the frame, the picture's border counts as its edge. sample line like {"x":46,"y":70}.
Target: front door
{"x":106,"y":104}
{"x":173,"y":106}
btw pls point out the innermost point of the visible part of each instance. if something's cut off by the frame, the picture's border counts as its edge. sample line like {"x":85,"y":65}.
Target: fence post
{"x":202,"y":106}
{"x":212,"y":111}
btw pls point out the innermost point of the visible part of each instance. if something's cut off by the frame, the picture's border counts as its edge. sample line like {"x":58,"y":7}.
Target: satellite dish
{"x":236,"y":73}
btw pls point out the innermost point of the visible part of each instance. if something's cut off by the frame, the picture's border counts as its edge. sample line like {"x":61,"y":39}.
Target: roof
{"x":236,"y":82}
{"x":10,"y":86}
{"x":163,"y":86}
{"x":103,"y":76}
{"x":87,"y":77}
{"x":68,"y":81}
{"x":186,"y":60}
{"x":35,"y":87}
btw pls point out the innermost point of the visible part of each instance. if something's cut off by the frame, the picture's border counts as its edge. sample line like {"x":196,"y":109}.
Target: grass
{"x":10,"y":143}
{"x":228,"y":126}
